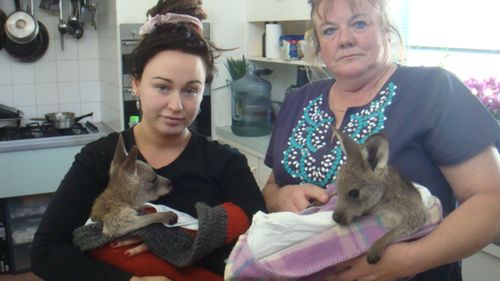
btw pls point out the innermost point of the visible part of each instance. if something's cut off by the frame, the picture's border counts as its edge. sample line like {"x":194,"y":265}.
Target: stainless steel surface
{"x":9,"y":122}
{"x":52,"y":142}
{"x":21,"y":27}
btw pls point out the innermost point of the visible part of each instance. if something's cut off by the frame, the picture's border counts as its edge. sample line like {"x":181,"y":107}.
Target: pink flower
{"x":488,"y":93}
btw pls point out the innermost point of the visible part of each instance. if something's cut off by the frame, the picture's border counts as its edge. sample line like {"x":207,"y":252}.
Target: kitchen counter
{"x":257,"y":144}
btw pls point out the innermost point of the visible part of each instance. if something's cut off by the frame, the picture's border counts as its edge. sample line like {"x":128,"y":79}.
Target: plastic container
{"x":133,"y":120}
{"x":251,"y":105}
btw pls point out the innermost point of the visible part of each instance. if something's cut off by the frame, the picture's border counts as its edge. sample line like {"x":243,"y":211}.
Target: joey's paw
{"x":171,"y":218}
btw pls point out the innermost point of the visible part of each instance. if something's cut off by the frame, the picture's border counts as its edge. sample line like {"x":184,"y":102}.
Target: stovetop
{"x":36,"y":130}
{"x":34,"y":136}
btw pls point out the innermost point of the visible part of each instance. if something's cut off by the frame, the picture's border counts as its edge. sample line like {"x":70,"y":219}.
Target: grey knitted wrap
{"x":171,"y":244}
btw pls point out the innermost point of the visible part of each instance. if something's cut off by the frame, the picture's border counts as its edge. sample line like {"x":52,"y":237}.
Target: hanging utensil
{"x":62,"y":27}
{"x":73,"y":17}
{"x":79,"y":29}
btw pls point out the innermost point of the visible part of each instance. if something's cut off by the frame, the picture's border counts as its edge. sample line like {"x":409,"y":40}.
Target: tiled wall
{"x":109,"y":65}
{"x":61,"y":80}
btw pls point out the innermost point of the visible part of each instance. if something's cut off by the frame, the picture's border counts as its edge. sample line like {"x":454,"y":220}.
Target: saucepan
{"x":62,"y":120}
{"x":25,"y":38}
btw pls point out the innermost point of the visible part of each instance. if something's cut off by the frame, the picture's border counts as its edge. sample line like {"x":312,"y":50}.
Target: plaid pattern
{"x":318,"y":255}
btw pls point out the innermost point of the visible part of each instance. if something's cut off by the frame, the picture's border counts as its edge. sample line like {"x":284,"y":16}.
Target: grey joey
{"x":132,"y":183}
{"x":366,"y":184}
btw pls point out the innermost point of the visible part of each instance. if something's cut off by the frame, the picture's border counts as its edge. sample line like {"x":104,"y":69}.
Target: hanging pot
{"x":26,"y":38}
{"x":21,"y":27}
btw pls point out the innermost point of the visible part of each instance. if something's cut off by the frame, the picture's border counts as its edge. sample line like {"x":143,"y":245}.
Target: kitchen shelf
{"x":281,"y":61}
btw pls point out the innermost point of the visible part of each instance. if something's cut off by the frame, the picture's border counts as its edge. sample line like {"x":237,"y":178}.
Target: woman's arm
{"x":293,"y":198}
{"x":466,"y":230}
{"x":474,"y":224}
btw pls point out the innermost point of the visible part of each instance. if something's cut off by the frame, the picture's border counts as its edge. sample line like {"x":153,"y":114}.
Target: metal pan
{"x":62,"y":120}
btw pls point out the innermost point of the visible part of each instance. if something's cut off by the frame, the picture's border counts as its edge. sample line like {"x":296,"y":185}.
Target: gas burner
{"x":37,"y":130}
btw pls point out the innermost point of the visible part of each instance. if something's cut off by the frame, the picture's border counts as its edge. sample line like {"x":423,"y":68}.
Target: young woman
{"x":439,"y":136}
{"x":170,"y":66}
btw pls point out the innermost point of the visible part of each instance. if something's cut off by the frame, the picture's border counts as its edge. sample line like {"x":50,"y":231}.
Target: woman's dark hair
{"x":182,"y":37}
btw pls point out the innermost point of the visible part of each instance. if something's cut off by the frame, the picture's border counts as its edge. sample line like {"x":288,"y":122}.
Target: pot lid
{"x":20,"y":26}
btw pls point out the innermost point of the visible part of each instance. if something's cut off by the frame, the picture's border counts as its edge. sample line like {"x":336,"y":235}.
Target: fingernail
{"x":127,"y":253}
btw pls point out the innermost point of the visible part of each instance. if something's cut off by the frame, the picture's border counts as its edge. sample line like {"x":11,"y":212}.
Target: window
{"x":463,"y":37}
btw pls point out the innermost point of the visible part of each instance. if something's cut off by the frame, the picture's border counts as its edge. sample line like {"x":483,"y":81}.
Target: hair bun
{"x":186,"y":7}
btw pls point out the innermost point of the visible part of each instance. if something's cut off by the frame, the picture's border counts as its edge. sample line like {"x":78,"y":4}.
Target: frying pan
{"x":62,"y":120}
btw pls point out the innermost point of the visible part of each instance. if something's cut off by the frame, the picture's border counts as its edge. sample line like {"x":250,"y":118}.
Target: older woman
{"x":440,"y":136}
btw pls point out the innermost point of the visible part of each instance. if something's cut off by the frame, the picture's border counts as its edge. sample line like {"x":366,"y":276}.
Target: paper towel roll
{"x":273,"y":33}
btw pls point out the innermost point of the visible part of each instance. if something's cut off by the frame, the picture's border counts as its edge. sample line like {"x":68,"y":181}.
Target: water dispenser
{"x":251,"y":105}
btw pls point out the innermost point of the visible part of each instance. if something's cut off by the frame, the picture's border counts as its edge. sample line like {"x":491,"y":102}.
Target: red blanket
{"x":147,"y":264}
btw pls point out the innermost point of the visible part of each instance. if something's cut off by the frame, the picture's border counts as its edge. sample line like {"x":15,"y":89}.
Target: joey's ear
{"x":120,"y":152}
{"x":375,"y":151}
{"x":350,"y":147}
{"x":129,"y":165}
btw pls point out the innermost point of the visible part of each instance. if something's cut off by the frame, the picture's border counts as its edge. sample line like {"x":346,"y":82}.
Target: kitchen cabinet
{"x":293,"y":16}
{"x":254,"y":148}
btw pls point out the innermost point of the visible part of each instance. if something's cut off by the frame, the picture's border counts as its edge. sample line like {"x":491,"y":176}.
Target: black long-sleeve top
{"x":205,"y":171}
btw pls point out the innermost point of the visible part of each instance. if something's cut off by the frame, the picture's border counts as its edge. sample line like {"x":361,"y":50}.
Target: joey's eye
{"x":153,"y":181}
{"x":353,"y":194}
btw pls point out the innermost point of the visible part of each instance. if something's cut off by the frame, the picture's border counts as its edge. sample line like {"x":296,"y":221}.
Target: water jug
{"x":251,"y":105}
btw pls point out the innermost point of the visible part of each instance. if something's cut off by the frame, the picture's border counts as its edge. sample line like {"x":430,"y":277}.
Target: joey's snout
{"x":339,"y":218}
{"x":164,"y":185}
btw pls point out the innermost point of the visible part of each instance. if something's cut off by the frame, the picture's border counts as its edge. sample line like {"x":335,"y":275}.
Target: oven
{"x":129,"y":39}
{"x":34,"y":157}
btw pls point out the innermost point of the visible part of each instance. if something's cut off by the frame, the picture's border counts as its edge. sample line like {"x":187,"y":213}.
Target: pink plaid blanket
{"x":317,"y":255}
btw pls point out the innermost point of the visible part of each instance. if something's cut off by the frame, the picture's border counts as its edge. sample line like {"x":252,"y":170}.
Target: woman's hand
{"x":140,"y":248}
{"x":293,"y":198}
{"x":149,"y":278}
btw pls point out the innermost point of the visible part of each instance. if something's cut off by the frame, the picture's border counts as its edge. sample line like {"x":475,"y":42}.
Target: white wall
{"x":228,"y":30}
{"x":60,"y":81}
{"x":109,"y":67}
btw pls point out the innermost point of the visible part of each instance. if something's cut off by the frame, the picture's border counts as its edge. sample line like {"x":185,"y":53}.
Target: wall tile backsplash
{"x":62,"y":80}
